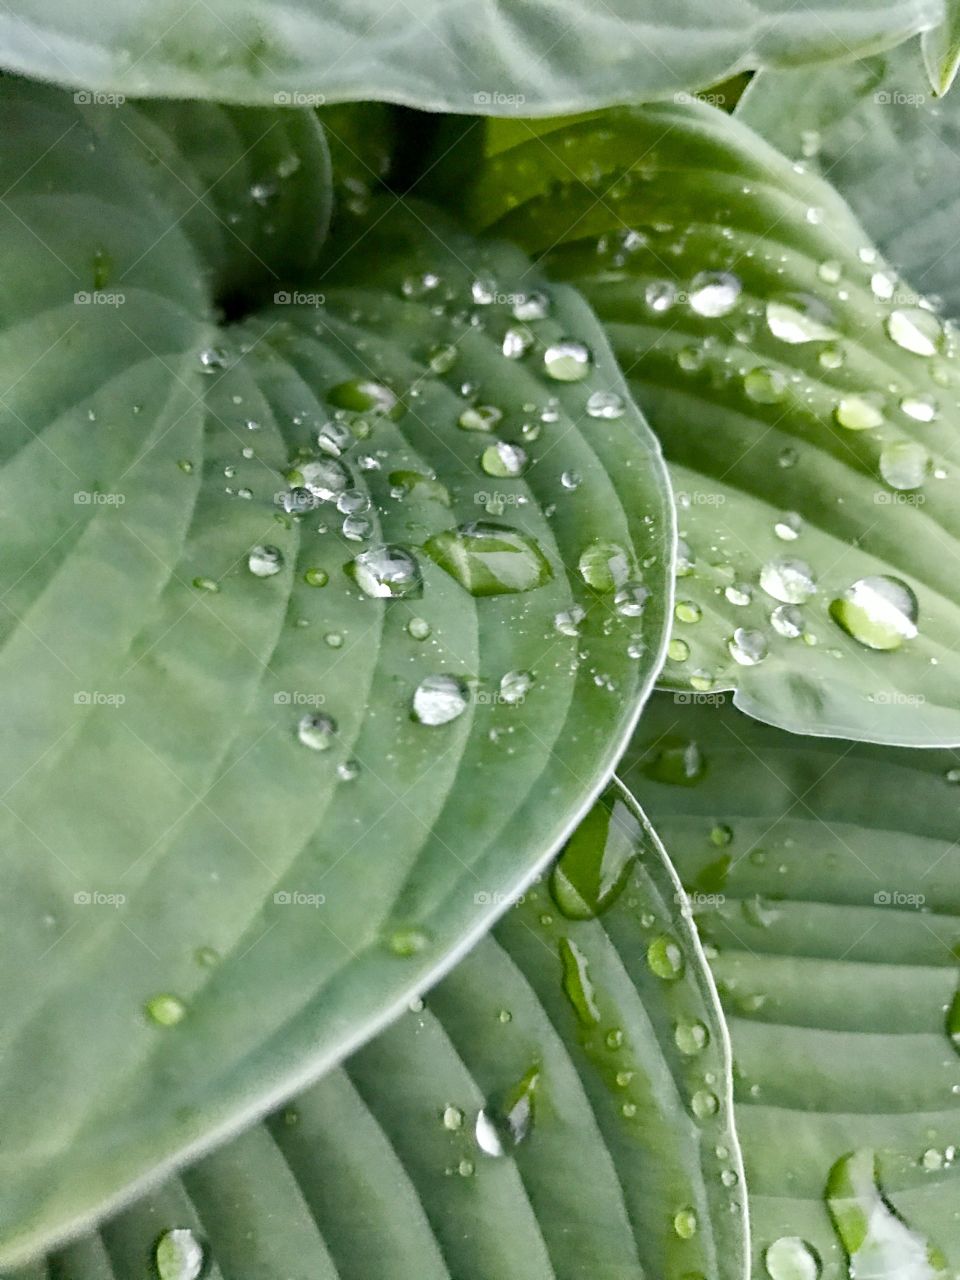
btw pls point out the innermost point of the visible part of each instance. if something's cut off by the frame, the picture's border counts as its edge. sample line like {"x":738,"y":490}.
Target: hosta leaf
{"x":461,"y":57}
{"x":823,"y":877}
{"x":558,"y":1109}
{"x":805,"y":400}
{"x":874,"y":128}
{"x":231,"y":852}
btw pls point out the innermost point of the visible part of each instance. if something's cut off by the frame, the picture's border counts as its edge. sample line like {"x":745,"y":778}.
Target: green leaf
{"x":236,"y":838}
{"x":791,"y":394}
{"x":941,"y":50}
{"x":874,"y":128}
{"x":459,"y":57}
{"x":823,"y":879}
{"x":505,"y":1129}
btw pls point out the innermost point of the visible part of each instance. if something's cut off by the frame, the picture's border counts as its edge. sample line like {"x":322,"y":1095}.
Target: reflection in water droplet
{"x":506,"y":1121}
{"x":704,"y":1104}
{"x":324,"y":478}
{"x":857,"y":413}
{"x":880,"y":612}
{"x":264,"y":562}
{"x":605,"y":566}
{"x":665,"y":957}
{"x":798,"y":317}
{"x":503,"y":460}
{"x":439,"y":699}
{"x":765,"y":386}
{"x":747,"y":647}
{"x":362,"y":396}
{"x":904,"y":464}
{"x":691,"y":1037}
{"x":676,"y":762}
{"x":787,"y":620}
{"x":577,"y":984}
{"x":917,"y":330}
{"x":714,"y":293}
{"x":490,"y":559}
{"x":386,"y":572}
{"x":685,"y":1223}
{"x":165,"y":1010}
{"x":318,"y":732}
{"x":480,"y":417}
{"x":595,"y":865}
{"x":876,"y":1239}
{"x":514,"y":686}
{"x":567,"y":361}
{"x":787,"y":580}
{"x":179,"y":1255}
{"x":791,"y":1258}
{"x":606,"y":404}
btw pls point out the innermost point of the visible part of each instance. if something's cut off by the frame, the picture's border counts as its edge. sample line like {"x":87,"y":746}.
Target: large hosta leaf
{"x":806,"y":402}
{"x":230,"y":851}
{"x":502,"y":59}
{"x":560,"y":1109}
{"x":825,"y":881}
{"x":875,"y":131}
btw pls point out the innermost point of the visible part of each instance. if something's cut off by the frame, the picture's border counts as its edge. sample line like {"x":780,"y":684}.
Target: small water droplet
{"x":765,"y":386}
{"x":453,"y":1119}
{"x":318,"y":732}
{"x":665,"y":957}
{"x":179,"y":1255}
{"x":503,"y":460}
{"x":265,"y":561}
{"x":921,"y":408}
{"x":439,"y":699}
{"x":531,"y":306}
{"x":747,"y":647}
{"x":858,"y":413}
{"x":879,"y":611}
{"x":714,"y":293}
{"x":568,"y":360}
{"x":507,"y":1120}
{"x":419,"y":629}
{"x":576,"y":983}
{"x":165,"y":1010}
{"x":788,"y":527}
{"x":316,"y":577}
{"x":514,"y":686}
{"x":905,"y":464}
{"x":787,"y":620}
{"x":324,"y":478}
{"x":678,"y":763}
{"x":480,"y":417}
{"x":685,"y":1223}
{"x":604,"y":566}
{"x":704,"y":1104}
{"x":738,"y":593}
{"x":691,"y":1038}
{"x":362,"y":395}
{"x":687,"y":611}
{"x":916,"y":330}
{"x":797,"y":317}
{"x":606,"y":404}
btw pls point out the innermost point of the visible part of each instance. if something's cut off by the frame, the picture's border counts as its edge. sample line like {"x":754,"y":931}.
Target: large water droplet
{"x":480,"y":417}
{"x":665,"y":958}
{"x":264,"y":561}
{"x":605,"y":566}
{"x":507,"y":1120}
{"x":388,"y":571}
{"x":179,"y":1255}
{"x":904,"y":464}
{"x":568,"y":360}
{"x":765,"y":386}
{"x":917,"y":330}
{"x":714,"y":293}
{"x":325,"y":478}
{"x":800,"y":317}
{"x":876,"y":1239}
{"x":880,"y":612}
{"x":362,"y":396}
{"x":490,"y":559}
{"x":791,"y":1258}
{"x":503,"y":460}
{"x":595,"y":865}
{"x":439,"y":699}
{"x":787,"y":580}
{"x":577,"y":985}
{"x":747,"y":647}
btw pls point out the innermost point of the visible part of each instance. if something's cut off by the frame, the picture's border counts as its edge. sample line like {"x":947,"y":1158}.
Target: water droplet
{"x":318,"y":732}
{"x":714,"y":293}
{"x":179,"y":1255}
{"x":212,"y":359}
{"x":875,"y":1238}
{"x":348,"y":770}
{"x":165,"y":1010}
{"x":439,"y":699}
{"x":788,"y":457}
{"x":595,"y":865}
{"x":316,"y":577}
{"x":419,"y":629}
{"x":747,"y":647}
{"x":531,"y":306}
{"x":514,"y":686}
{"x":506,"y":1121}
{"x":567,"y":621}
{"x":787,"y":620}
{"x":687,"y":611}
{"x":606,"y":404}
{"x":830,"y":271}
{"x":265,"y":561}
{"x":685,"y":1223}
{"x":691,"y":1038}
{"x":408,"y":942}
{"x":567,"y":361}
{"x":517,"y":341}
{"x":480,"y":417}
{"x":361,"y":395}
{"x":787,"y":580}
{"x":919,"y":407}
{"x":185,"y":465}
{"x":765,"y":386}
{"x":483,"y":290}
{"x":676,"y":762}
{"x":704,"y":1104}
{"x":604,"y":566}
{"x":799,"y":317}
{"x":631,"y":600}
{"x":721,"y":835}
{"x":206,"y":584}
{"x":571,"y":480}
{"x":386,"y":572}
{"x":738,"y":593}
{"x":904,"y":464}
{"x":789,"y":526}
{"x":577,"y":985}
{"x":324,"y":478}
{"x":916,"y":330}
{"x":490,"y":559}
{"x":660,"y":295}
{"x":465,"y":1168}
{"x":665,"y":957}
{"x":791,"y":1258}
{"x":442,"y":358}
{"x":503,"y":460}
{"x":857,"y":413}
{"x":678,"y":650}
{"x":453,"y":1119}
{"x":880,"y":612}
